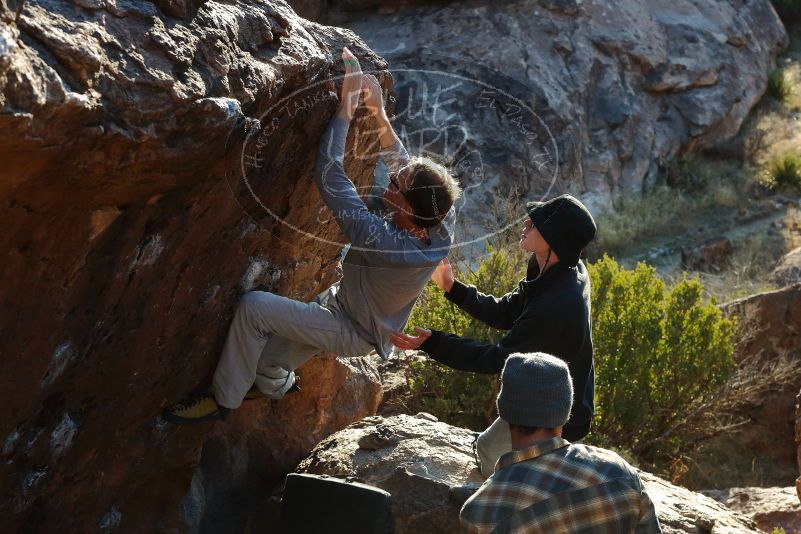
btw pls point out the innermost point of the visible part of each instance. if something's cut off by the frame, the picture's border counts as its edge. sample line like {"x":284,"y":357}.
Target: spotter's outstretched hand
{"x":407,"y":342}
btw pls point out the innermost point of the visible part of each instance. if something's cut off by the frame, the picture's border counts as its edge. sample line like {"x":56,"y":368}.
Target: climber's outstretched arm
{"x":362,"y":227}
{"x":392,"y":150}
{"x":351,"y":86}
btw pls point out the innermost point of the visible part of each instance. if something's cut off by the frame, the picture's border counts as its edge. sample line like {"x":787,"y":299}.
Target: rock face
{"x":130,"y":232}
{"x":768,"y":338}
{"x":416,"y":458}
{"x":789,"y":269}
{"x":240,"y":457}
{"x":682,"y":510}
{"x":748,"y":425}
{"x":594,"y":93}
{"x":157,"y":159}
{"x":798,"y":441}
{"x":425,"y":465}
{"x":768,"y":507}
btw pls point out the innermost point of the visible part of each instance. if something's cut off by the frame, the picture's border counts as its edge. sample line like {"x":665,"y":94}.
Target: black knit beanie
{"x":565,"y":224}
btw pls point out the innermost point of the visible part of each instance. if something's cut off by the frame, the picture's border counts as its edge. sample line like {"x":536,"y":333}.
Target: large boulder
{"x":428,"y":468}
{"x":265,"y":439}
{"x":788,"y":271}
{"x":798,"y":441}
{"x":418,"y":459}
{"x":594,"y":95}
{"x":130,"y":231}
{"x":768,"y":507}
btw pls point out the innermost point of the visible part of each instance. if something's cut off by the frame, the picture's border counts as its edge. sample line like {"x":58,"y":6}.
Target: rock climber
{"x":397,"y":239}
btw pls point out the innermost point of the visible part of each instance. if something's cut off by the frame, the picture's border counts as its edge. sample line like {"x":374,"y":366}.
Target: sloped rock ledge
{"x":423,"y":463}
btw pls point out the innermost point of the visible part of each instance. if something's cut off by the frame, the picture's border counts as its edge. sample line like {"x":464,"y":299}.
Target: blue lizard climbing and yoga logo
{"x":443,"y":116}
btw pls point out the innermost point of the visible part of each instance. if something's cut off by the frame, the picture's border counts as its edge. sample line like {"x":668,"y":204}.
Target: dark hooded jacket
{"x":548,"y":314}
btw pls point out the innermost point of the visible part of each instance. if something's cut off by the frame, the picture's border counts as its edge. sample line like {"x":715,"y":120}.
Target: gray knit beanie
{"x":536,"y":391}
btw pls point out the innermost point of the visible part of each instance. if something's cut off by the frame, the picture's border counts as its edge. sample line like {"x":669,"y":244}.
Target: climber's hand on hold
{"x":407,"y":342}
{"x":374,"y":102}
{"x":351,"y":85}
{"x":373,"y":96}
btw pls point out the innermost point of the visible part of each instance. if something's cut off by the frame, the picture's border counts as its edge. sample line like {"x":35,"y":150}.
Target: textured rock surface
{"x":231,"y":485}
{"x":798,"y":441}
{"x":395,"y":383}
{"x":768,"y":507}
{"x":621,"y":86}
{"x":709,"y":255}
{"x":789,"y":269}
{"x":681,"y":510}
{"x":420,"y":461}
{"x":129,"y":235}
{"x":416,"y":458}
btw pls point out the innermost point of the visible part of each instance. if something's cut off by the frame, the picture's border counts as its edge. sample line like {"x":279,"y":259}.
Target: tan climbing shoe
{"x":195,"y":409}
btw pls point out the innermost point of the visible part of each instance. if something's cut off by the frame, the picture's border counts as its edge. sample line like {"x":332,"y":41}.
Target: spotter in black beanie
{"x":565,"y":224}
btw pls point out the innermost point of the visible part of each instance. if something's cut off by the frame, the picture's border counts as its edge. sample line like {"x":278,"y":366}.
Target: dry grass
{"x":780,"y":86}
{"x":772,"y":129}
{"x":702,"y":184}
{"x":747,"y":270}
{"x":784,"y":173}
{"x":754,"y":258}
{"x":698,"y":191}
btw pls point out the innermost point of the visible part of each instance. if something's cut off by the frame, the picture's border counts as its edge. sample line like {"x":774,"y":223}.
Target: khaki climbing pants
{"x":271,"y":336}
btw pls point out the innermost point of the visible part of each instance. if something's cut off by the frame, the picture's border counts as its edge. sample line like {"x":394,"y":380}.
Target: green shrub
{"x":463,"y":399}
{"x":657,"y":350}
{"x":777,"y":530}
{"x":785,"y":172}
{"x":779,"y":86}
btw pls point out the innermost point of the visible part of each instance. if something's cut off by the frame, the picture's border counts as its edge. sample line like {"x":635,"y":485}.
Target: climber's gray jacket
{"x":385,"y":268}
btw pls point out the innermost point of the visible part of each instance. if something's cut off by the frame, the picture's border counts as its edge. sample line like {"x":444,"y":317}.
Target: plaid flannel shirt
{"x":558,"y":487}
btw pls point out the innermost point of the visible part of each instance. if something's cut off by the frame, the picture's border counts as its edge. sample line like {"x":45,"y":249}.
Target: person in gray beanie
{"x":548,"y":312}
{"x":536,"y":391}
{"x":546,"y":483}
